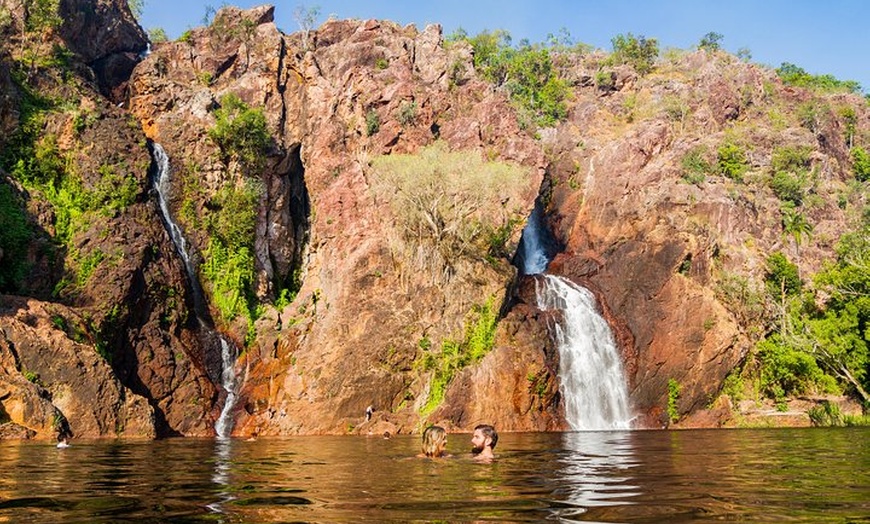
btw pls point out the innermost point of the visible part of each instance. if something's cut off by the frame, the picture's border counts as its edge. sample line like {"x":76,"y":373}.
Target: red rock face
{"x":656,"y":248}
{"x":653,"y":248}
{"x":350,"y":338}
{"x":106,"y":37}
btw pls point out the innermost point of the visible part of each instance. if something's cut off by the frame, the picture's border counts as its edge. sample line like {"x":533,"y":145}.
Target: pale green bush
{"x":453,"y":201}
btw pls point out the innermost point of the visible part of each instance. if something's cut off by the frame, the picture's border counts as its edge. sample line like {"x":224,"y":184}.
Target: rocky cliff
{"x":337,"y":313}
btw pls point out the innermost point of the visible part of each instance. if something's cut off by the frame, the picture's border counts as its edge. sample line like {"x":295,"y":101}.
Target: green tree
{"x":306,"y":17}
{"x":710,"y":41}
{"x":527,"y":72}
{"x":795,"y":225}
{"x":638,"y":52}
{"x":535,"y":84}
{"x":861,"y":163}
{"x":240,"y":131}
{"x":157,"y":35}
{"x":839,"y":333}
{"x":136,"y":7}
{"x":793,"y":75}
{"x":492,"y":53}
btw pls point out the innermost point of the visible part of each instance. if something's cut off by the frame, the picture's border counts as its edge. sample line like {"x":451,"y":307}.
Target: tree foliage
{"x":861,"y":163}
{"x":731,"y":161}
{"x":447,"y":199}
{"x":791,"y":74}
{"x":637,"y":51}
{"x":526,"y":71}
{"x":710,"y":41}
{"x":229,"y":258}
{"x":240,"y":131}
{"x":822,"y":342}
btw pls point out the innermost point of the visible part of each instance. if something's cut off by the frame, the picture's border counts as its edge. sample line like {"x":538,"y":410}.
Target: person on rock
{"x":434,"y":442}
{"x":483,"y":441}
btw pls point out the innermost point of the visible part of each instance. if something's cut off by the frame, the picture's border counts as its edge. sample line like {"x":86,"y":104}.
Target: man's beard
{"x":477,"y":450}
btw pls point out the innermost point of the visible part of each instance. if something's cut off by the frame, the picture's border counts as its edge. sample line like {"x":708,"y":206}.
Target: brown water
{"x":806,"y":475}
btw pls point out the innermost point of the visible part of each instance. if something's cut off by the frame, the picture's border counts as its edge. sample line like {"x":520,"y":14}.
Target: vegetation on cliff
{"x":647,"y":151}
{"x":807,"y":323}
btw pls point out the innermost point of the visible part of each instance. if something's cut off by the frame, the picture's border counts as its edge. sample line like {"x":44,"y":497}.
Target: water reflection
{"x":595,"y":471}
{"x":223,"y":448}
{"x":806,"y":476}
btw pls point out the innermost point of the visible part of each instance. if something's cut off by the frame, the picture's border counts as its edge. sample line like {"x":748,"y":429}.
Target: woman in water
{"x":434,"y":442}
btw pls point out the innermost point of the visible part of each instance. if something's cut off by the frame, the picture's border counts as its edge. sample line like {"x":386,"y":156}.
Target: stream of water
{"x":229,"y":353}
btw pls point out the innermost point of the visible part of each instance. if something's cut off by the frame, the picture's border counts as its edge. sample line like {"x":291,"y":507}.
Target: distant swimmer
{"x":63,"y":443}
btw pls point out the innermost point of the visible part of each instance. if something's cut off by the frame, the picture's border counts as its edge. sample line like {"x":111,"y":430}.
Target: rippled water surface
{"x":783,"y":475}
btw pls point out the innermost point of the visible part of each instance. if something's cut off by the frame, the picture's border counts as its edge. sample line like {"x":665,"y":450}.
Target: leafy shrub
{"x":114,"y":192}
{"x":229,"y":258}
{"x":450,"y":200}
{"x":87,"y":265}
{"x":786,"y":371}
{"x":781,"y":275}
{"x":477,"y":342}
{"x":731,"y":161}
{"x":733,"y":386}
{"x":695,"y":165}
{"x":790,"y":159}
{"x":407,"y":113}
{"x":373,"y":122}
{"x":791,"y":74}
{"x":231,"y":274}
{"x":861,"y":163}
{"x":240,"y":131}
{"x":789,"y":187}
{"x":604,"y":80}
{"x":638,"y":52}
{"x":673,"y":399}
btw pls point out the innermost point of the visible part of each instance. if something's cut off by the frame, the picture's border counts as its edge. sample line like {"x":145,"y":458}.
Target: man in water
{"x":483,"y":441}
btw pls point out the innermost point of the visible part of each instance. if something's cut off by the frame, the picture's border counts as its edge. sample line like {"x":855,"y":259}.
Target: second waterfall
{"x":228,"y":351}
{"x":592,"y":380}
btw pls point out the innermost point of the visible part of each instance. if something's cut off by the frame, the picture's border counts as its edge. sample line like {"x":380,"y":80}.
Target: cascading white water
{"x":224,"y":425}
{"x":592,"y":381}
{"x":161,"y":184}
{"x":590,"y":370}
{"x":229,"y":353}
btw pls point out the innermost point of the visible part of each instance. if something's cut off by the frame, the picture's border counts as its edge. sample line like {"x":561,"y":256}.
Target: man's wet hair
{"x":488,"y":431}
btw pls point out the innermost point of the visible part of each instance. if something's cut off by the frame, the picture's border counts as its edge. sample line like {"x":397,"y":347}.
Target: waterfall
{"x":536,"y":245}
{"x":229,"y":353}
{"x":224,"y":425}
{"x":590,"y":369}
{"x":592,"y":381}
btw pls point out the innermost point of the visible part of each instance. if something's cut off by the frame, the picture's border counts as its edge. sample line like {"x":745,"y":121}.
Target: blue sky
{"x":823,"y":37}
